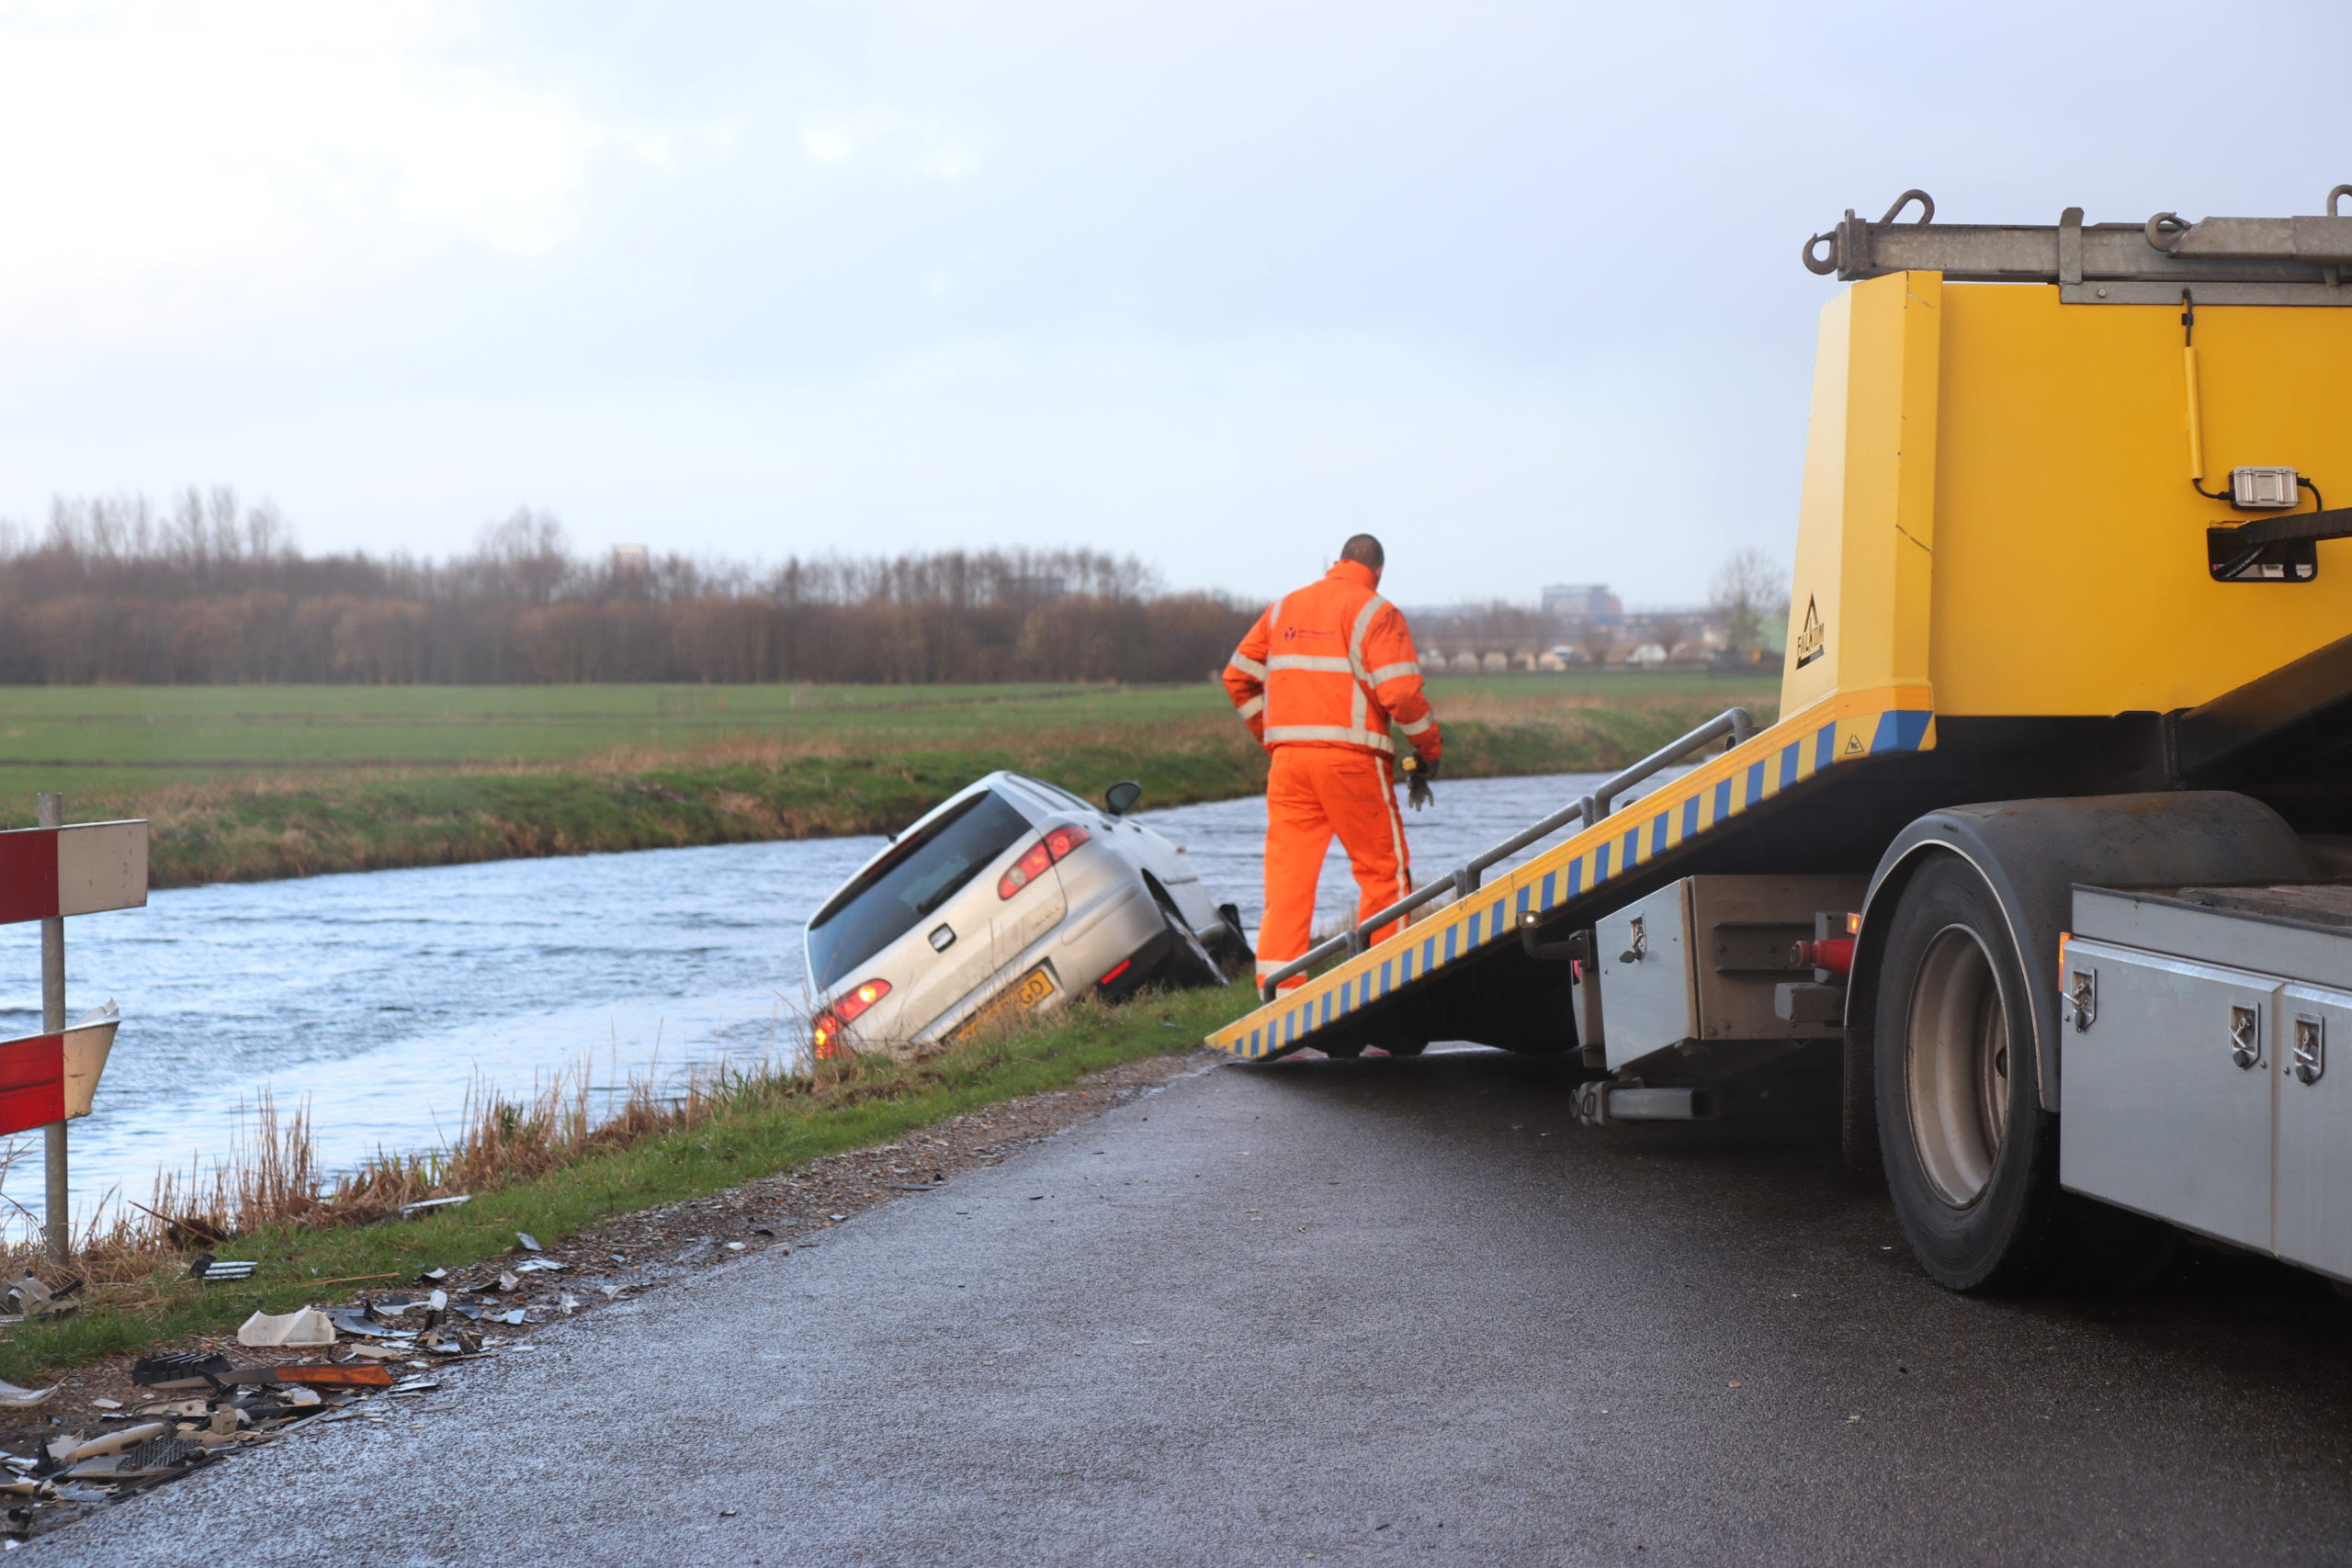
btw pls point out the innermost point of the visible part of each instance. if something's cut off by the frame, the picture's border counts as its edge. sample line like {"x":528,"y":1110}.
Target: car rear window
{"x":920,"y":873}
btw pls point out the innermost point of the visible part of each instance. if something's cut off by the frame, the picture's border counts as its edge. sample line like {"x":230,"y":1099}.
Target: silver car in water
{"x":1012,"y":895}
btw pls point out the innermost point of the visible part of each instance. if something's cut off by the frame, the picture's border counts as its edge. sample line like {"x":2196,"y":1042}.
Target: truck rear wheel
{"x":1970,"y":1156}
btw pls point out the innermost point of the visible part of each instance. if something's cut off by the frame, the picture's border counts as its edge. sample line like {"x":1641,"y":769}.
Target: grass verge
{"x":816,"y":783}
{"x":726,"y":1133}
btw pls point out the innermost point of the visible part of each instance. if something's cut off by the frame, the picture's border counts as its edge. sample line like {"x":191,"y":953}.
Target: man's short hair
{"x":1365,"y":550}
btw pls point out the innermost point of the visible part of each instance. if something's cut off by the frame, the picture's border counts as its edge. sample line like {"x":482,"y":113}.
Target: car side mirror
{"x":1121,"y":797}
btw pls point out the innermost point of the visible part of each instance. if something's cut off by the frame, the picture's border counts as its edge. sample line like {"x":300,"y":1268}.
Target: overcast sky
{"x":1513,"y":285}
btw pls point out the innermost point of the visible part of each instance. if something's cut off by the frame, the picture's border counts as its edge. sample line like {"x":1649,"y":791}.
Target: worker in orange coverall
{"x":1318,"y":681}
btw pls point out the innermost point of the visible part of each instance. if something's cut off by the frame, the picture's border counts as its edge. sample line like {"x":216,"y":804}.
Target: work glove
{"x":1419,"y":772}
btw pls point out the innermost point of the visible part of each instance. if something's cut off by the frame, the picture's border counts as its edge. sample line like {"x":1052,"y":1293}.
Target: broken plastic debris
{"x":11,"y":1395}
{"x":432,"y":1275}
{"x":533,"y":1265}
{"x":173,"y":1407}
{"x":508,"y":1281}
{"x":365,"y":1326}
{"x":344,"y":1375}
{"x":567,"y":1303}
{"x":108,"y":1403}
{"x":113,"y":1442}
{"x":425,"y":1206}
{"x":416,"y":1385}
{"x":29,"y":1298}
{"x":306,"y":1329}
{"x":157,"y":1455}
{"x":177,"y":1369}
{"x":526,"y":1241}
{"x":216,"y":1270}
{"x":735,"y":1245}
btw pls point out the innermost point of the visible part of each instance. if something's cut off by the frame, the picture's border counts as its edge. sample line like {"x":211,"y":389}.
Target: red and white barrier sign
{"x":46,"y":874}
{"x":80,"y":870}
{"x":52,"y":1077}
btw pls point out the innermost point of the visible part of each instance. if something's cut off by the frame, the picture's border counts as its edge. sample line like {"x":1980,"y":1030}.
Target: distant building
{"x":1588,"y":601}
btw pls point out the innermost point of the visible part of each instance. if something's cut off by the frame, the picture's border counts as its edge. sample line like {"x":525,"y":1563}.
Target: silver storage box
{"x":2199,"y":1069}
{"x":1697,"y":962}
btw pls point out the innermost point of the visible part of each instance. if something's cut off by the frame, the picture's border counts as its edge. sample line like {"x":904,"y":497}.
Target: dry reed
{"x":271,"y":1176}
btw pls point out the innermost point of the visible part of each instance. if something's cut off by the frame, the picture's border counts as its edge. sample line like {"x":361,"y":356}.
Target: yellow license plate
{"x":1024,"y":996}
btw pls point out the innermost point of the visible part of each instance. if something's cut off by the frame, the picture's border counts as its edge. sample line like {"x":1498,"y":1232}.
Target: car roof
{"x":1024,"y":801}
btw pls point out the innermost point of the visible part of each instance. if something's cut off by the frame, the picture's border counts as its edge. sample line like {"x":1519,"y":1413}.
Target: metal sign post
{"x":56,"y":1212}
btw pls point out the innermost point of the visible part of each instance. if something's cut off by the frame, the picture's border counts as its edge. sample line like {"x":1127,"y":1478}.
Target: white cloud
{"x":948,"y":161}
{"x":831,"y":139}
{"x":162,"y":162}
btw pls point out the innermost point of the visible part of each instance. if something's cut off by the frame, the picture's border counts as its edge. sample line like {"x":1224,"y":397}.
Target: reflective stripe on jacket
{"x":1332,"y":665}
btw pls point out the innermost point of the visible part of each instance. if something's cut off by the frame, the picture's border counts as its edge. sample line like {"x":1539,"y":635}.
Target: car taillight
{"x":826,"y":1028}
{"x":1041,"y":854}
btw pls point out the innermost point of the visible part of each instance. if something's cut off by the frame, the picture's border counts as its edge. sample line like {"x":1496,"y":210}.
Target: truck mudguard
{"x":2032,"y":852}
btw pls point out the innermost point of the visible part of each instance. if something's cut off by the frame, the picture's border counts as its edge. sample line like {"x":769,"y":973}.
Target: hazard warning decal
{"x":1809,"y":644}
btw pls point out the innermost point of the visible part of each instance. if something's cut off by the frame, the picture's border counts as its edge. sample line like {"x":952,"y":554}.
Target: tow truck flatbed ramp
{"x":1726,"y":804}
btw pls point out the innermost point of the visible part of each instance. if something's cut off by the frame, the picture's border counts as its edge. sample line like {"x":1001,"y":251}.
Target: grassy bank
{"x":247,"y":783}
{"x":722,"y":1136}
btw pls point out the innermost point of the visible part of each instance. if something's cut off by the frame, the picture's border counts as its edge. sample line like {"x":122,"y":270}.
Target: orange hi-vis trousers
{"x":1312,"y":792}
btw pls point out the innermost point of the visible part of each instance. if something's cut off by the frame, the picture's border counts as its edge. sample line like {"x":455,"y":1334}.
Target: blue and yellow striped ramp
{"x":1843,"y":730}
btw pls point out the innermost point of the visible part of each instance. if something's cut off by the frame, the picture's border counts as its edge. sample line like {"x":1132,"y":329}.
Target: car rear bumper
{"x":1079,"y":952}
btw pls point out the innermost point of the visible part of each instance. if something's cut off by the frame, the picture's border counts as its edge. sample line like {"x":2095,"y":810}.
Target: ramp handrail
{"x":1735,"y":723}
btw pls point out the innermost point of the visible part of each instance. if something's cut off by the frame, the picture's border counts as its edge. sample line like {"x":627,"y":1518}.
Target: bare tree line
{"x":205,"y":591}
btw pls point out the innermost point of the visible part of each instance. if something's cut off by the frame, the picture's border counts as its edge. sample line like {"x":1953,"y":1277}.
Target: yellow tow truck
{"x":2044,"y":880}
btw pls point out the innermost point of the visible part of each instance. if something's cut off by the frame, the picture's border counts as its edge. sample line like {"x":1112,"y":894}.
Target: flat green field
{"x":81,"y":737}
{"x":247,"y":782}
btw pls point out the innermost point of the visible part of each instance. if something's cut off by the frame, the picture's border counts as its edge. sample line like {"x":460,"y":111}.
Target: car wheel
{"x":1235,"y":954}
{"x":1187,"y":964}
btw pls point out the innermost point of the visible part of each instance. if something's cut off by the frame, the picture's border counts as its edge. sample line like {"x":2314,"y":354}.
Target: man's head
{"x":1364,"y":550}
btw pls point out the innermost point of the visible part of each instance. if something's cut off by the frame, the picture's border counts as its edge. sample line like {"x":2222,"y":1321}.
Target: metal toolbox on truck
{"x":2196,"y":1082}
{"x":1697,"y":962}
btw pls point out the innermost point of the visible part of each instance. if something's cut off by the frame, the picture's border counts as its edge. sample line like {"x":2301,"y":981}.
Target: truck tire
{"x":1970,"y":1155}
{"x":1970,"y":1158}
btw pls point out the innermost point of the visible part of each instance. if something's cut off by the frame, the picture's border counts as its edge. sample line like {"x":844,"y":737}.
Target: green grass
{"x":248,"y":783}
{"x":771,"y":1127}
{"x":60,"y":736}
{"x":79,"y":738}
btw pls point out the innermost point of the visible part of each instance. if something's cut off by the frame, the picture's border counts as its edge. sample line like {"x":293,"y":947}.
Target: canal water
{"x":380,"y":999}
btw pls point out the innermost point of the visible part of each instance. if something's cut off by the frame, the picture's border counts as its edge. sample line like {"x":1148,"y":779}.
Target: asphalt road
{"x":1345,"y":1312}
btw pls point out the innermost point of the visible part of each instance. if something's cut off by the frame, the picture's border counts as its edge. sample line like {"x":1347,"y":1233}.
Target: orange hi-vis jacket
{"x":1332,"y":665}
